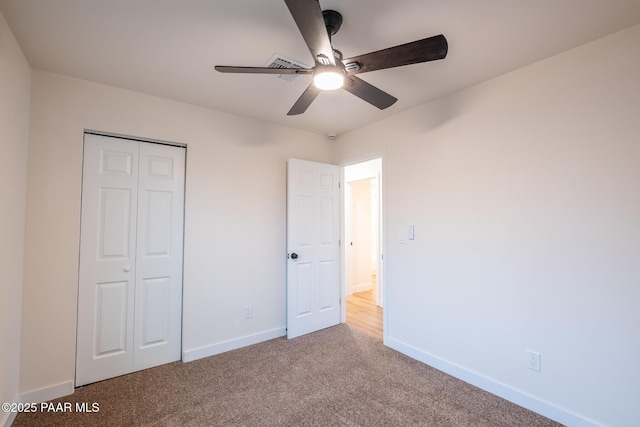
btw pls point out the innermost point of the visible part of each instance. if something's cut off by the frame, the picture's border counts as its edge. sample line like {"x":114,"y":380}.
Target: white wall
{"x":359,"y":269}
{"x":525,"y":194}
{"x":235,"y":219}
{"x":369,"y":169}
{"x":359,"y":238}
{"x":15,"y":76}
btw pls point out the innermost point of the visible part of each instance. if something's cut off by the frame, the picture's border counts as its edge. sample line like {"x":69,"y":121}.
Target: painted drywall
{"x":15,"y":80}
{"x":234,"y":219}
{"x":525,"y":195}
{"x":363,"y":170}
{"x":360,"y":238}
{"x":366,"y":170}
{"x":372,"y":170}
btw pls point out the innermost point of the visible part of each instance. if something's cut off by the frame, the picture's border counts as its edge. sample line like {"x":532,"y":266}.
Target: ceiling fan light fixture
{"x":328,"y":77}
{"x":331,"y":71}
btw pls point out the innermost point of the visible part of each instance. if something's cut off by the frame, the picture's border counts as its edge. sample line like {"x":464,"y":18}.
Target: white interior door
{"x":158,"y":298}
{"x":130,"y":278}
{"x":313,"y":247}
{"x":107,"y":259}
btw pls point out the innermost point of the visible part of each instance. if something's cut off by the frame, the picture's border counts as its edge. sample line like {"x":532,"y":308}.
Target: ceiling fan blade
{"x":262,"y":70}
{"x":304,"y":101}
{"x":368,"y":92}
{"x":429,"y":49}
{"x":308,"y":16}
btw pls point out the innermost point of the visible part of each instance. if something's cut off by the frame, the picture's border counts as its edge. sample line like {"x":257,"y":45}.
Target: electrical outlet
{"x":533,"y":360}
{"x":248,"y":312}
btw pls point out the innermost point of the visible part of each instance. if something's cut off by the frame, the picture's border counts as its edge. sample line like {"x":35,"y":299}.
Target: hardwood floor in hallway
{"x":364,"y":314}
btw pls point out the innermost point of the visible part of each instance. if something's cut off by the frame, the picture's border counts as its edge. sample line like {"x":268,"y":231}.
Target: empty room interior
{"x":476,"y":174}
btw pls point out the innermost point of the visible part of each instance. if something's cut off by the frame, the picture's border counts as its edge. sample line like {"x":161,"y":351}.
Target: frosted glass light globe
{"x":329,"y":78}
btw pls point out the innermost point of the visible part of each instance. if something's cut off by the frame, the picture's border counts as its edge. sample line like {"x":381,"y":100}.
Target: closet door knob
{"x":126,"y":269}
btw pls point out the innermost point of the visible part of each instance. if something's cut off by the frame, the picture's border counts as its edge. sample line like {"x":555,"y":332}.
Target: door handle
{"x":126,"y":269}
{"x":294,"y":256}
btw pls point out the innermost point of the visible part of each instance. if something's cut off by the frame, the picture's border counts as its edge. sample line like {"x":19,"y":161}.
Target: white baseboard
{"x":6,"y":418}
{"x":48,"y":393}
{"x":212,"y":350}
{"x":363,"y":287}
{"x":518,"y":397}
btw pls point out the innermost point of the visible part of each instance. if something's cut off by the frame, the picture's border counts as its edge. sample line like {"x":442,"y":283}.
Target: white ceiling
{"x":168,"y":48}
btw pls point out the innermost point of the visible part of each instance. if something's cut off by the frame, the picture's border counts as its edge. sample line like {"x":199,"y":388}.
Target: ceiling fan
{"x":331,"y":71}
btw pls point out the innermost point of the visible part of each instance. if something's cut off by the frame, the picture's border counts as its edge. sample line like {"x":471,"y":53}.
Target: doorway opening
{"x":363,"y":254}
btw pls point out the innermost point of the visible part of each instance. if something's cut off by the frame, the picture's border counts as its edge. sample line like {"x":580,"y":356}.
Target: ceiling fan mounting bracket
{"x":332,"y":20}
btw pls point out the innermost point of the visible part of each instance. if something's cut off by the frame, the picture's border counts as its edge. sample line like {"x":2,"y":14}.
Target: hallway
{"x":364,"y":314}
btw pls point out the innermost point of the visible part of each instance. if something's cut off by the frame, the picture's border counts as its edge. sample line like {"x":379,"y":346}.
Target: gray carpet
{"x":335,"y":377}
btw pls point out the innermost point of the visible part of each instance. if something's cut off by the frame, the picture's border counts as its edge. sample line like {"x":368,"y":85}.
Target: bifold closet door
{"x":130,"y":279}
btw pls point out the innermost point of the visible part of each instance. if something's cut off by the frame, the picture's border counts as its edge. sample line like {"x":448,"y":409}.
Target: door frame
{"x":135,"y":138}
{"x":382,"y":273}
{"x":184,"y":220}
